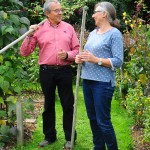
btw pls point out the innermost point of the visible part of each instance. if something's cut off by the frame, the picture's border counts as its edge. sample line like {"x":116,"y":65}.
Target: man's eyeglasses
{"x":97,"y":11}
{"x":57,"y":11}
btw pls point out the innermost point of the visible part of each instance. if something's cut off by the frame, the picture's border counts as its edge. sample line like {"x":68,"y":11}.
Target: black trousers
{"x":50,"y":78}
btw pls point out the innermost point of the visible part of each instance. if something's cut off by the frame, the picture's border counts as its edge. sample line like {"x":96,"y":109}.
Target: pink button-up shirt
{"x":50,"y":41}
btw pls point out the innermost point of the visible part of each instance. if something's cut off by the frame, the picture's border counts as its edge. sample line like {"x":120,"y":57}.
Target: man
{"x":59,"y":46}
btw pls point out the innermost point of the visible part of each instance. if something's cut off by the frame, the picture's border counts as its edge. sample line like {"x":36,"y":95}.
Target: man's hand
{"x":34,"y":28}
{"x":62,"y":54}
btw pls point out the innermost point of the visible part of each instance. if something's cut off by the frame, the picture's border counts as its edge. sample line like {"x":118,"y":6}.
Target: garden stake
{"x":19,"y":39}
{"x":78,"y":77}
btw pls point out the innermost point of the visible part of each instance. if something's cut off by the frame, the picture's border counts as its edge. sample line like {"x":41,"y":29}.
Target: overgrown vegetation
{"x":136,"y":71}
{"x":18,"y":74}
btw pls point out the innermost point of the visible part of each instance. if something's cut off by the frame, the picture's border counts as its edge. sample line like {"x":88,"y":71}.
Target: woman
{"x":103,"y":53}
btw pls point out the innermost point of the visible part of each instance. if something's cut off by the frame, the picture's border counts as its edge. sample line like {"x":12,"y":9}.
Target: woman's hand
{"x":78,"y":59}
{"x":88,"y":57}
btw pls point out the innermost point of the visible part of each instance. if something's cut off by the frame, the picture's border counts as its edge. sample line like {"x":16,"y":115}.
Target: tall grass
{"x":120,"y":121}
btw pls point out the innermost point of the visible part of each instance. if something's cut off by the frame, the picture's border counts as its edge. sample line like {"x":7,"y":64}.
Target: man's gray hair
{"x":47,"y":5}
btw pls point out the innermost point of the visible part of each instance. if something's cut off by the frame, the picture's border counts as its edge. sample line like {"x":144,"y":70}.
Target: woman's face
{"x":99,"y":15}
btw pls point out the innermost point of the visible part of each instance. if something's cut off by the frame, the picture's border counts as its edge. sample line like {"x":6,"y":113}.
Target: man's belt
{"x":55,"y":66}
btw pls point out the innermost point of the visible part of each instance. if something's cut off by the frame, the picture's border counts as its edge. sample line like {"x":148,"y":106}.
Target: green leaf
{"x":5,"y":85}
{"x":1,"y":58}
{"x":1,"y":143}
{"x":17,"y":2}
{"x":8,"y":63}
{"x":3,"y":15}
{"x":1,"y":100}
{"x":2,"y":70}
{"x":11,"y":99}
{"x":1,"y":79}
{"x":17,"y":89}
{"x":23,"y":30}
{"x":15,"y":19}
{"x":25,"y":20}
{"x":11,"y":108}
{"x":10,"y":74}
{"x":3,"y":114}
{"x":4,"y":130}
{"x":7,"y":29}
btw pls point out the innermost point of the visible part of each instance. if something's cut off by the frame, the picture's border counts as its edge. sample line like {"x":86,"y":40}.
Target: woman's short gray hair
{"x":47,"y":5}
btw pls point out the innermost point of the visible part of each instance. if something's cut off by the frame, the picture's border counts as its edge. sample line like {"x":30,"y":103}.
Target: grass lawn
{"x":120,"y":120}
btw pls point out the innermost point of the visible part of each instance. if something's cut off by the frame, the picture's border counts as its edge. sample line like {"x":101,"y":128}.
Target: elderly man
{"x":58,"y":46}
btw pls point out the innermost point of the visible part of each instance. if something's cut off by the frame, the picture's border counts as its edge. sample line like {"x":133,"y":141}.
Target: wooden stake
{"x":78,"y":76}
{"x":20,"y":129}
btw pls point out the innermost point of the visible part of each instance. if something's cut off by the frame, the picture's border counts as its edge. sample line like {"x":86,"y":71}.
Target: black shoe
{"x":45,"y":143}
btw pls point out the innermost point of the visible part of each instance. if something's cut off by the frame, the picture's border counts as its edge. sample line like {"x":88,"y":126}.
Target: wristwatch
{"x":100,"y":62}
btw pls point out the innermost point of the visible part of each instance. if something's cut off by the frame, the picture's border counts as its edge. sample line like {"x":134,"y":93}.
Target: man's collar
{"x":55,"y":26}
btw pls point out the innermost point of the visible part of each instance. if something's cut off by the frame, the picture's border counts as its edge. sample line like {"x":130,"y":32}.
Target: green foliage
{"x":6,"y":132}
{"x":72,"y":10}
{"x":8,"y":117}
{"x":137,"y":60}
{"x":12,"y":75}
{"x":136,"y":72}
{"x":138,"y":107}
{"x":11,"y":28}
{"x":35,"y":12}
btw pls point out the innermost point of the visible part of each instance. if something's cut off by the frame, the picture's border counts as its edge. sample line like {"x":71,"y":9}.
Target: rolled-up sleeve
{"x":117,"y":51}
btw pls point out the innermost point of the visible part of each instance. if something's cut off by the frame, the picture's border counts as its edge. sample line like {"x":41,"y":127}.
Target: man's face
{"x":55,"y":14}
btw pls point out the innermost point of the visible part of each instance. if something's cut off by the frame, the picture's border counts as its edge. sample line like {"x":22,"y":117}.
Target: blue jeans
{"x":98,"y":97}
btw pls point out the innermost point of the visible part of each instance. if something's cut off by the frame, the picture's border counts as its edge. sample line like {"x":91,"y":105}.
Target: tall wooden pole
{"x":78,"y":76}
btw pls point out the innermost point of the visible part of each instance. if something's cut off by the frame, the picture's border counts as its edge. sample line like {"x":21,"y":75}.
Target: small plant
{"x":8,"y":128}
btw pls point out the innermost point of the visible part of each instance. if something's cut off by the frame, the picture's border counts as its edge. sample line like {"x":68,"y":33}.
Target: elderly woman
{"x":103,"y":53}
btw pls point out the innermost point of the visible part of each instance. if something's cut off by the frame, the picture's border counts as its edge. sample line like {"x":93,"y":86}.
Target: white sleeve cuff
{"x":112,"y":67}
